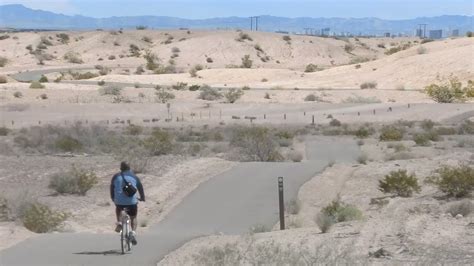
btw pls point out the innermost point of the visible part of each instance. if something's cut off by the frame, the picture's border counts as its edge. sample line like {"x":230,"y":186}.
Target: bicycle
{"x":125,"y":233}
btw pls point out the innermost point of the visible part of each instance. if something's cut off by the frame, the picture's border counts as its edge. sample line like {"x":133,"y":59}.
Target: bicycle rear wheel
{"x":124,"y":235}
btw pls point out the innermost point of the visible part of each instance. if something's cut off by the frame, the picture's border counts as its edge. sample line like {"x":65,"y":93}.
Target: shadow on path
{"x":105,"y":253}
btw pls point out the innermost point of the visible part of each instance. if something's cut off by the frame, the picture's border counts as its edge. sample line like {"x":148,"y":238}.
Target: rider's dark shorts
{"x":131,"y":209}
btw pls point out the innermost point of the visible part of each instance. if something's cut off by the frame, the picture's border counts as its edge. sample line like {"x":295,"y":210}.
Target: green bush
{"x":349,"y":47}
{"x":399,"y":183}
{"x":243,"y":36}
{"x":43,"y":79}
{"x":160,"y":142}
{"x":467,"y":127}
{"x":362,"y":132}
{"x":446,"y":92}
{"x":111,"y":90}
{"x":75,"y":181}
{"x":164,"y":96}
{"x":36,"y":85}
{"x":391,"y":133}
{"x":63,"y":38}
{"x":256,"y":144}
{"x":209,"y":94}
{"x":311,"y":98}
{"x":179,"y":86}
{"x":134,"y":130}
{"x":233,"y":95}
{"x":337,"y":212}
{"x":134,"y":50}
{"x":455,"y":181}
{"x":152,"y":61}
{"x":68,"y":144}
{"x":194,"y":88}
{"x":421,"y":139}
{"x":40,"y":218}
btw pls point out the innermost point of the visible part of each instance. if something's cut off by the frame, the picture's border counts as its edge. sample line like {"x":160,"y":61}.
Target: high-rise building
{"x":455,"y":33}
{"x":419,"y":33}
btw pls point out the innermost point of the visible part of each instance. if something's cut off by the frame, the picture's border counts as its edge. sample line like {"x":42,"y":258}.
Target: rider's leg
{"x":118,"y":213}
{"x":134,"y":222}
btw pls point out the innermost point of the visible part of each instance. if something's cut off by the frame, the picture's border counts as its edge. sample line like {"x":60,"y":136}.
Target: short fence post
{"x":281,"y":203}
{"x":312,"y":122}
{"x":264,"y":116}
{"x":284,"y":116}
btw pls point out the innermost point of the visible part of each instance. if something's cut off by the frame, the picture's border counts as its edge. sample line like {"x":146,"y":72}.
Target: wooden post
{"x":312,"y":122}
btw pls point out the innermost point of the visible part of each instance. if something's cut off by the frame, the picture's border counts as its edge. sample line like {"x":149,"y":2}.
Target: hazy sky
{"x":388,"y":9}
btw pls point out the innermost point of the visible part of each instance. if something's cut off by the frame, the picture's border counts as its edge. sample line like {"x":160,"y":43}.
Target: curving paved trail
{"x":230,"y":203}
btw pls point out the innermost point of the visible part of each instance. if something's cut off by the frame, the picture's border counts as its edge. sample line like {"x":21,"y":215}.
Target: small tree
{"x":391,"y":133}
{"x":134,"y":50}
{"x":233,"y":95}
{"x":256,"y":144}
{"x":311,"y":68}
{"x":151,"y":60}
{"x":159,"y":143}
{"x":209,"y":94}
{"x":43,"y":79}
{"x":399,"y":183}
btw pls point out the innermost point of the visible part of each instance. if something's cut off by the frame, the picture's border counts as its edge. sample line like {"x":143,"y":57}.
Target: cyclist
{"x":122,"y":201}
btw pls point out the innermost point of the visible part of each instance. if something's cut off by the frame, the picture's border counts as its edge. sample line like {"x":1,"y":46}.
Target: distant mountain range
{"x":21,"y":17}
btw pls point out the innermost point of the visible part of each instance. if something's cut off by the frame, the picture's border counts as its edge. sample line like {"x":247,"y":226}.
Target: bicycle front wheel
{"x":124,"y":237}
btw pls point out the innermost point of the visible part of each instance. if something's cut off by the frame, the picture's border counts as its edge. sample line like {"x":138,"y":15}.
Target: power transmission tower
{"x":256,"y":23}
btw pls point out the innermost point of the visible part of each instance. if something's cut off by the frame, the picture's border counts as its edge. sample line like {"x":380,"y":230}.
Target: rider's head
{"x":124,"y":166}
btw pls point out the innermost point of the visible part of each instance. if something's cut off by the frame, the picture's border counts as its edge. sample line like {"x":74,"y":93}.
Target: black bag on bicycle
{"x":128,"y":188}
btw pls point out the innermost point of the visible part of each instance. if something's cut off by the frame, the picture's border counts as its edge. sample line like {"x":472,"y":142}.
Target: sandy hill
{"x":195,"y":47}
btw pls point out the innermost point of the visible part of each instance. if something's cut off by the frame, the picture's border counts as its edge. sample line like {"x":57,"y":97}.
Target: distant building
{"x":436,"y":34}
{"x":455,"y":33}
{"x":282,"y":32}
{"x":387,"y":34}
{"x":419,"y":33}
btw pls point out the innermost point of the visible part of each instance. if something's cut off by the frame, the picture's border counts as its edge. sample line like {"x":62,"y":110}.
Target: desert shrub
{"x":335,"y":123}
{"x":160,"y":142}
{"x":79,"y":76}
{"x":151,"y":60}
{"x":233,"y":95}
{"x":446,"y":131}
{"x":311,"y":98}
{"x":359,"y":60}
{"x":399,"y":156}
{"x":111,"y":57}
{"x":194,"y":88}
{"x":68,"y":144}
{"x":427,"y":124}
{"x":164,"y":96}
{"x":110,"y":90}
{"x":101,"y":82}
{"x":293,"y":207}
{"x":286,"y":38}
{"x":43,"y":96}
{"x":259,"y":228}
{"x":193,"y":71}
{"x":17,"y":94}
{"x":421,"y":139}
{"x":399,"y":183}
{"x":75,"y":181}
{"x":469,"y":34}
{"x":446,"y":92}
{"x":391,"y":133}
{"x":362,"y":132}
{"x":40,"y":218}
{"x":267,"y":95}
{"x":147,"y":39}
{"x":246,"y":61}
{"x":421,"y":50}
{"x":134,"y":50}
{"x":4,"y":131}
{"x":243,"y":36}
{"x":397,"y":49}
{"x":4,"y":37}
{"x":139,"y":70}
{"x":73,"y":57}
{"x":426,"y":41}
{"x":43,"y":79}
{"x":463,"y":207}
{"x":466,"y":127}
{"x":362,"y":159}
{"x":469,"y":89}
{"x":311,"y":68}
{"x":361,"y":99}
{"x":63,"y":38}
{"x":336,"y":212}
{"x":36,"y":85}
{"x":455,"y":181}
{"x":3,"y":61}
{"x":368,"y":85}
{"x":134,"y":130}
{"x":295,"y":156}
{"x":209,"y":94}
{"x":256,"y":144}
{"x":349,"y":48}
{"x":141,"y":27}
{"x":179,"y":86}
{"x":209,"y":60}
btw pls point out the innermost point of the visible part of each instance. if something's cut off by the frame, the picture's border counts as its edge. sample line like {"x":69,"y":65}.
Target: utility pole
{"x":424,"y":30}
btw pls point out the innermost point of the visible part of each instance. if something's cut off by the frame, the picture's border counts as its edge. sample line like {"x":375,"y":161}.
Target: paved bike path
{"x":229,"y":203}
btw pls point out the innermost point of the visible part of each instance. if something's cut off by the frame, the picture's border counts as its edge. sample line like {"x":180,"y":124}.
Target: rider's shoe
{"x":133,"y":238}
{"x":118,"y":227}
